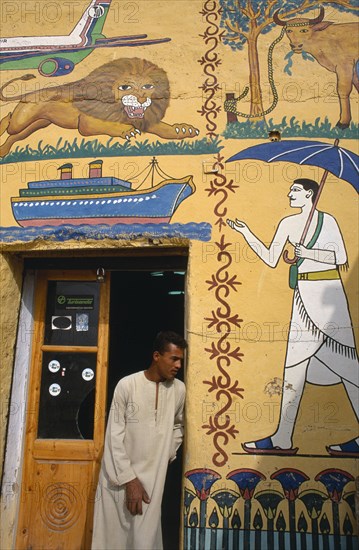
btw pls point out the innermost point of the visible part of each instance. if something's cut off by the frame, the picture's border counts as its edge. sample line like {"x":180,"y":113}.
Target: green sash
{"x":293,"y":270}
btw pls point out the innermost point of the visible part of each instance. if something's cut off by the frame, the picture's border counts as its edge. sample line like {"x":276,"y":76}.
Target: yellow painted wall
{"x":237,"y":333}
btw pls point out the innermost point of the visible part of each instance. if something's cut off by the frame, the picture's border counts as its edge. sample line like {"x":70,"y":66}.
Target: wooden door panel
{"x":56,"y":511}
{"x":59,"y":472}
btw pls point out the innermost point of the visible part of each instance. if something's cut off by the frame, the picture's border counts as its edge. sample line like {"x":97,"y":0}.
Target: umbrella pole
{"x":311,"y":214}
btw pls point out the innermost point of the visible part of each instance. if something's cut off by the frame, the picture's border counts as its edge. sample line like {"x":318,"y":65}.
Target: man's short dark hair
{"x":308,"y":184}
{"x":164,"y":338}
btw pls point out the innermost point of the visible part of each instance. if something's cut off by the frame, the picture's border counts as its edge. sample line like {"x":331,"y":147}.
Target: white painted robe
{"x":139,"y":443}
{"x":321,"y":328}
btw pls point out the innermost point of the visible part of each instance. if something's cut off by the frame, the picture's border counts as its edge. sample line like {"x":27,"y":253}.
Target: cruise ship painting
{"x":100,"y":200}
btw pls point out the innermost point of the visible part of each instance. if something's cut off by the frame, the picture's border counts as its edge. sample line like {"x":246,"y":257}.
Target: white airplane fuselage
{"x":77,"y":38}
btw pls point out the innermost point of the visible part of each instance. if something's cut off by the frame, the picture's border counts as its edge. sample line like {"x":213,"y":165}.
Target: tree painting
{"x":245,"y":20}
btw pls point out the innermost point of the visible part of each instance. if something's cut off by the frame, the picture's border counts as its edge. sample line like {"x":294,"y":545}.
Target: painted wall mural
{"x":314,"y":38}
{"x":120,"y":99}
{"x":58,"y":55}
{"x":123,"y":99}
{"x":289,"y":506}
{"x":266,"y":98}
{"x":328,"y":356}
{"x":245,"y":515}
{"x":97,"y":199}
{"x":332,"y":47}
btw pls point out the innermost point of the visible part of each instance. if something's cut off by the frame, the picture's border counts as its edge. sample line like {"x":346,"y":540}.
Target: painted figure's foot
{"x":348,"y":449}
{"x":265,"y":446}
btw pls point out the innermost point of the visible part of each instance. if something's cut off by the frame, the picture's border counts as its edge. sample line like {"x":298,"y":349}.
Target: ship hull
{"x":91,"y":221}
{"x":155,"y":205}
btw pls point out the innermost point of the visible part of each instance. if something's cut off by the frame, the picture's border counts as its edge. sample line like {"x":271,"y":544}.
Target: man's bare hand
{"x":237,"y":225}
{"x":135,"y":494}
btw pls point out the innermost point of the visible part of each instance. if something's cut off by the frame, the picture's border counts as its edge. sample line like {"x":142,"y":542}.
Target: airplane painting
{"x":58,"y":55}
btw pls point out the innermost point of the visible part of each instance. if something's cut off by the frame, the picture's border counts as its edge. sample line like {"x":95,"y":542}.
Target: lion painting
{"x":122,"y":99}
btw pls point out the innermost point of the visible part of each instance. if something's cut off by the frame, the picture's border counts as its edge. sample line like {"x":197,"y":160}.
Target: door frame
{"x":13,"y":461}
{"x":170,"y":257}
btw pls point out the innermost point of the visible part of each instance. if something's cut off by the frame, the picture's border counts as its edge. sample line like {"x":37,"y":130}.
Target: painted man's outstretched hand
{"x":237,"y":225}
{"x":135,"y":494}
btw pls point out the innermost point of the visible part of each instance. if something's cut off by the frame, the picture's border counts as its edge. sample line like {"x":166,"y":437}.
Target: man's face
{"x":298,"y":196}
{"x":169,"y":362}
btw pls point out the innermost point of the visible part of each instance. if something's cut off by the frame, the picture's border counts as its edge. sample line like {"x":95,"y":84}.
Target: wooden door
{"x":66,"y":411}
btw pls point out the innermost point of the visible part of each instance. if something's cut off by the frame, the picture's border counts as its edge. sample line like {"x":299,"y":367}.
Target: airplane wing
{"x":130,"y":37}
{"x":113,"y":42}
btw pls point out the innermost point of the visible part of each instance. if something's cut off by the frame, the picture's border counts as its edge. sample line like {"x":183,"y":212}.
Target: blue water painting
{"x":196,"y":231}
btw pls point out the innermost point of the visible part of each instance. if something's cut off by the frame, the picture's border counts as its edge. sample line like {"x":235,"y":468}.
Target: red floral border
{"x":221,"y":283}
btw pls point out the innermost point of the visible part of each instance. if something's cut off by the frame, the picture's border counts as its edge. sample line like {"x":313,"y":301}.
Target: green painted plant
{"x":292,"y":128}
{"x":85,"y":148}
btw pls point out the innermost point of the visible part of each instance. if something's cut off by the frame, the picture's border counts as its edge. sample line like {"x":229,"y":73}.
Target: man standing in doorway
{"x":321,"y":347}
{"x":144,"y":431}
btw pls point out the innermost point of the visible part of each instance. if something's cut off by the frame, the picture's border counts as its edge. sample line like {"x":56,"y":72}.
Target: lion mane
{"x":98,"y":95}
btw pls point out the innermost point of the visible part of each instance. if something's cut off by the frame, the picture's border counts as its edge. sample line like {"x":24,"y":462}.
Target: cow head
{"x":301,"y":29}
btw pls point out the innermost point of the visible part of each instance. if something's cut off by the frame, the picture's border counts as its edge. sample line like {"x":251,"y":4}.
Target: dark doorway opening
{"x":142,"y":304}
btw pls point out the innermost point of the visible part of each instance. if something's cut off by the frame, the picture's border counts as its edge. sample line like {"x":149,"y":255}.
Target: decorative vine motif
{"x":210,"y":62}
{"x":226,"y":355}
{"x":220,"y":187}
{"x":221,"y":283}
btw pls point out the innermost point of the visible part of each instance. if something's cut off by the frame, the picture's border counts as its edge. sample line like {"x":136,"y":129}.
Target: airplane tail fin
{"x":92,"y":19}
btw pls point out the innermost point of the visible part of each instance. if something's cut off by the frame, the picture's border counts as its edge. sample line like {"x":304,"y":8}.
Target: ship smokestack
{"x":66,"y":171}
{"x":95,"y":169}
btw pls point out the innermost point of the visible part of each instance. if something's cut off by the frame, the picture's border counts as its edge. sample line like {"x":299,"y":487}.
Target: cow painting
{"x":334,"y":46}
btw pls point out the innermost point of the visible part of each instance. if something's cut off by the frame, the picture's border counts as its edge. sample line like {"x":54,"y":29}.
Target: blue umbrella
{"x":334,"y":159}
{"x":338,"y":161}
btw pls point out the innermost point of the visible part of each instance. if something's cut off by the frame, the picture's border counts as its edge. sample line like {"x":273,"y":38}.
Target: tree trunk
{"x":231,"y":117}
{"x":254,"y":79}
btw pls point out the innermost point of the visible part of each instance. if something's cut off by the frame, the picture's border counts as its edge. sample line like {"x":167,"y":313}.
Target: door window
{"x":72,"y":313}
{"x":68,"y":375}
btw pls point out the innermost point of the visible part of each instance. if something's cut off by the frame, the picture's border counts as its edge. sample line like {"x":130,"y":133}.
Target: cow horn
{"x":314,"y":21}
{"x":318,"y":19}
{"x":277,"y":19}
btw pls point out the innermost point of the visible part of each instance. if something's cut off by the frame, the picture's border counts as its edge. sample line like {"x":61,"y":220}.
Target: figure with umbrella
{"x":315,"y":351}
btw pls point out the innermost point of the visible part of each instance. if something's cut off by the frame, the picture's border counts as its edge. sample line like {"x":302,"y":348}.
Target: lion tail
{"x":17,"y":97}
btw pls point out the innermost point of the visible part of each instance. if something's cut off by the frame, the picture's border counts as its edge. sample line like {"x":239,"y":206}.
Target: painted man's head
{"x":302,"y":191}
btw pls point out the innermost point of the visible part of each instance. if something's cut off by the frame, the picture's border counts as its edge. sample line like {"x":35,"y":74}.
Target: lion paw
{"x":185,"y":130}
{"x":132,"y":134}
